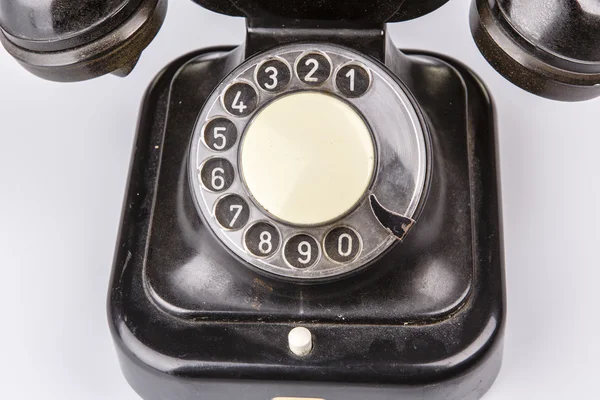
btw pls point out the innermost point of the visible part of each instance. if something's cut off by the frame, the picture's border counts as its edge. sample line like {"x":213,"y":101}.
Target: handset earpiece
{"x":548,"y":47}
{"x":68,"y":40}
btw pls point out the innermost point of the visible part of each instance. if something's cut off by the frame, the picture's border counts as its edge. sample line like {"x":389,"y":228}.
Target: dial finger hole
{"x":262,"y":239}
{"x":313,"y":69}
{"x":240,"y":99}
{"x":301,"y":251}
{"x":232,"y":212}
{"x":220,"y":134}
{"x":217,"y":174}
{"x":353,"y":80}
{"x":342,"y":244}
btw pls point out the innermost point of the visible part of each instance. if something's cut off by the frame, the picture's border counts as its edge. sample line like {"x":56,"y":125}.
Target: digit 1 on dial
{"x":301,"y":251}
{"x":353,"y":80}
{"x":262,"y":239}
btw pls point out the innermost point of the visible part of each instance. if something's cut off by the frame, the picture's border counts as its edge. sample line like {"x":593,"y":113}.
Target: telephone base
{"x":184,"y":332}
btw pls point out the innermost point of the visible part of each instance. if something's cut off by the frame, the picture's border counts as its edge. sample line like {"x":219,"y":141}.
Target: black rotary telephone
{"x":313,"y":214}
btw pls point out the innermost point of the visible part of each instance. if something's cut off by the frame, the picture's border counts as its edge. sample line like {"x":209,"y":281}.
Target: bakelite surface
{"x":352,"y":10}
{"x":568,"y":29}
{"x":409,"y":345}
{"x":48,"y":25}
{"x":66,"y":40}
{"x":548,"y":47}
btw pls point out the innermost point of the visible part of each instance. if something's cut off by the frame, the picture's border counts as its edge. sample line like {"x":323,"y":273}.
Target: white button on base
{"x":300,"y":341}
{"x":307,"y":158}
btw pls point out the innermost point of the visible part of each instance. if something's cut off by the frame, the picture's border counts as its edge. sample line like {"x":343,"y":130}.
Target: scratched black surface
{"x":167,"y":355}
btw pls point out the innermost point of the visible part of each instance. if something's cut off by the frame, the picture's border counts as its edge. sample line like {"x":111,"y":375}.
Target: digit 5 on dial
{"x":321,"y":128}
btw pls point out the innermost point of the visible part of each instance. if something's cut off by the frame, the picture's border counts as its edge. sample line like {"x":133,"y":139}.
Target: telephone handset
{"x":314,"y":213}
{"x":73,"y":40}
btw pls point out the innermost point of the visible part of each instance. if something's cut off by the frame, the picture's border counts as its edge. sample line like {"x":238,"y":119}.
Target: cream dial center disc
{"x":307,"y":158}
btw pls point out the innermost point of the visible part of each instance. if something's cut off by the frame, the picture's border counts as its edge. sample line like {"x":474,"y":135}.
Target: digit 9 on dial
{"x":309,"y":161}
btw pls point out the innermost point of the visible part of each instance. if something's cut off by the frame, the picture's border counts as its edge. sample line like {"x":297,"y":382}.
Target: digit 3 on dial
{"x":309,"y":161}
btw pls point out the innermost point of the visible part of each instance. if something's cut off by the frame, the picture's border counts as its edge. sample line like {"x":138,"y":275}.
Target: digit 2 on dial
{"x":313,"y":69}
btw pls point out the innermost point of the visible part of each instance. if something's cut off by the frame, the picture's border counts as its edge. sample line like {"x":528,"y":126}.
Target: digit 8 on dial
{"x":262,"y":239}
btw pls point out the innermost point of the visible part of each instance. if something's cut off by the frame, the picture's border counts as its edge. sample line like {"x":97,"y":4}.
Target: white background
{"x":64,"y":156}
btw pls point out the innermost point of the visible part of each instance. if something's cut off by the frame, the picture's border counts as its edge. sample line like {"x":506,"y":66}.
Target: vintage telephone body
{"x":389,"y":253}
{"x":217,"y":329}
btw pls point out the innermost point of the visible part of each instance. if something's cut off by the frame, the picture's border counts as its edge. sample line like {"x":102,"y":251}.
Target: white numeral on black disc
{"x":220,"y":134}
{"x":301,"y":251}
{"x":342,"y":245}
{"x":353,"y":80}
{"x":262,"y":239}
{"x":273,"y":75}
{"x":313,"y":69}
{"x":240,"y":99}
{"x":217,"y":174}
{"x":232,"y":212}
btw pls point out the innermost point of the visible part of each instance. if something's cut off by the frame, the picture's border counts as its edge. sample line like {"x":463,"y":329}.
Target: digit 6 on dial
{"x":216,"y":174}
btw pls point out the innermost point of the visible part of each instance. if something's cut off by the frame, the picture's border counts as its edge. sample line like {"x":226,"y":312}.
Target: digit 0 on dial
{"x":316,"y":135}
{"x":342,"y":244}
